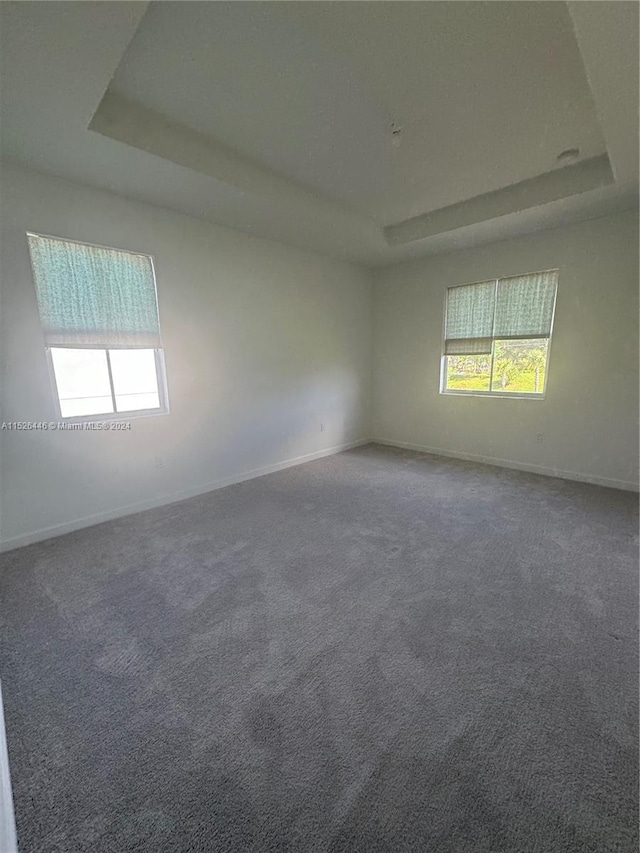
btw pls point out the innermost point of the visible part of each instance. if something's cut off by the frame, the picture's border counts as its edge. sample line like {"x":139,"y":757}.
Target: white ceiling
{"x":276,"y":117}
{"x":487,"y":94}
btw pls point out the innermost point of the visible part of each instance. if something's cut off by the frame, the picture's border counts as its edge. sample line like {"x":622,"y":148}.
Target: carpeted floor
{"x":376,"y":651}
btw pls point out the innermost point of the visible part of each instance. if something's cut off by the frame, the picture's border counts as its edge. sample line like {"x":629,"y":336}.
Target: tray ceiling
{"x":369,"y":131}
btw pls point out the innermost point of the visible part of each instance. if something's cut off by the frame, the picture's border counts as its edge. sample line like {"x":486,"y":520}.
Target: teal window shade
{"x":517,"y":307}
{"x":469,"y":320}
{"x":90,"y":296}
{"x":524,"y":305}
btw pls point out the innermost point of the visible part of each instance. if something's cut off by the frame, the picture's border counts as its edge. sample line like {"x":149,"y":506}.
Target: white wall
{"x":589,"y":418}
{"x":263,"y":344}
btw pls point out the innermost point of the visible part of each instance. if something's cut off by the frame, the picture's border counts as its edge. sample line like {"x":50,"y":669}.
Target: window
{"x":497,"y":334}
{"x":99,"y":316}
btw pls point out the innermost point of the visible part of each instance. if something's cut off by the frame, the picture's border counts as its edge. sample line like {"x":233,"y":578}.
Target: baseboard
{"x":8,"y":843}
{"x":173,"y":497}
{"x":626,"y":485}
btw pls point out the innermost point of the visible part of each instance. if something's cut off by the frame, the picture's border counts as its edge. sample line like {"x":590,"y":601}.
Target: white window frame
{"x":161,"y":379}
{"x":161,"y":373}
{"x":510,"y":395}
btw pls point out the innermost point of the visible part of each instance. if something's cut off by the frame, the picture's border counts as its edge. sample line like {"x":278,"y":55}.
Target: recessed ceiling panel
{"x":275,"y":118}
{"x":484,"y":94}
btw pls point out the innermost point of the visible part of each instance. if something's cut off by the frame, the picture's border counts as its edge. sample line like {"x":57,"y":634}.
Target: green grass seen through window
{"x":518,"y":367}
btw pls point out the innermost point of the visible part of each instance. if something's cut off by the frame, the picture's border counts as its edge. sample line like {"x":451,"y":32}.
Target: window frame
{"x":161,"y":379}
{"x":511,"y":395}
{"x":161,"y":372}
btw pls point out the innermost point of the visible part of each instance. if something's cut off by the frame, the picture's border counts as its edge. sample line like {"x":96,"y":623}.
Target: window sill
{"x":114,"y":417}
{"x":494,"y":395}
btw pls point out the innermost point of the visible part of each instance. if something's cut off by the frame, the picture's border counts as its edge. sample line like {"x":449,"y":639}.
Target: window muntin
{"x":99,"y":315}
{"x":496,"y":340}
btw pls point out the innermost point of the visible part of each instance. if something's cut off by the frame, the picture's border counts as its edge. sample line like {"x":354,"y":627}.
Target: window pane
{"x":86,"y":406}
{"x":133,"y":371}
{"x":135,"y":379}
{"x":519,"y":366}
{"x":81,"y":372}
{"x":467,"y":372}
{"x":133,"y":402}
{"x":82,"y":380}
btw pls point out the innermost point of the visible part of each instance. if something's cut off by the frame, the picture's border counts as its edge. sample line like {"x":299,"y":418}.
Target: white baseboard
{"x":173,"y":497}
{"x":129,"y":509}
{"x":8,"y":842}
{"x":627,"y":485}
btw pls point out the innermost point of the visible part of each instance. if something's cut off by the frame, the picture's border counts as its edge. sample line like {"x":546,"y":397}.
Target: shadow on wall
{"x":319,"y":412}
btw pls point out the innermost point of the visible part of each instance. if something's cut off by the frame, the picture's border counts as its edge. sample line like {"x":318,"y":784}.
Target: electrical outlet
{"x":321,"y":427}
{"x":158,"y":461}
{"x":540,"y":437}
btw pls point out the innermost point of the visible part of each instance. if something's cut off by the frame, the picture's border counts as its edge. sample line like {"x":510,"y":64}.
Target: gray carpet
{"x":377,"y":651}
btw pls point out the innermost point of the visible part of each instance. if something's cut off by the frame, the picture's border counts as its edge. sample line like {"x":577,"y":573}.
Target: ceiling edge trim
{"x":134,"y":124}
{"x":551,"y":186}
